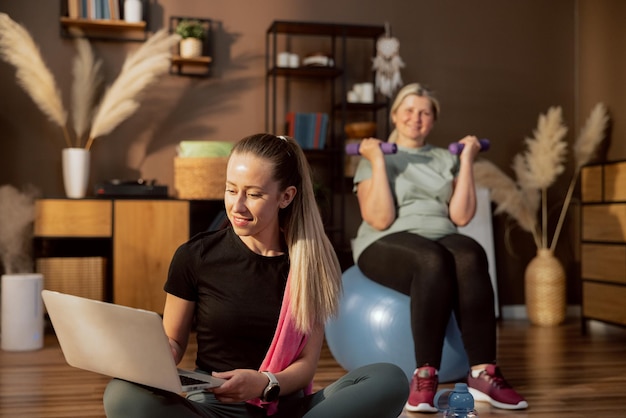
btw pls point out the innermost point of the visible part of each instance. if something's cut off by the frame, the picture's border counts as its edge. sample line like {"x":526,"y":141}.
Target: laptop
{"x":119,"y":341}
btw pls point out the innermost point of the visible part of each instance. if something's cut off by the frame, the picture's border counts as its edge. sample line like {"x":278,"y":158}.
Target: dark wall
{"x":494,"y":65}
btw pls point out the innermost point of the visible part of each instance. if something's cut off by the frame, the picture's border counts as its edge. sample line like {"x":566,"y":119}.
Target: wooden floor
{"x":561,"y":371}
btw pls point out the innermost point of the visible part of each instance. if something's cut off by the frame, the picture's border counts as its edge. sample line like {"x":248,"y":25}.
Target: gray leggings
{"x":375,"y":391}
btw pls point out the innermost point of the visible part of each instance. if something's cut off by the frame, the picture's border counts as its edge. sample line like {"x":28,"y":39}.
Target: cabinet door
{"x":146,"y":233}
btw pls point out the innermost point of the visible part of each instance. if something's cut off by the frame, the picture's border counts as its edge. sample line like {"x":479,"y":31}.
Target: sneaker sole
{"x":422,"y":407}
{"x":483,"y":397}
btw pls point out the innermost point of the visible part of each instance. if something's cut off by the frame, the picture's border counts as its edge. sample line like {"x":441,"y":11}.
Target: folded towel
{"x":204,"y":148}
{"x":286,"y":346}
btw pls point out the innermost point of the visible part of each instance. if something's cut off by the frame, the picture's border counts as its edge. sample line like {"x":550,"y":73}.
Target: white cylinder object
{"x":22,"y":312}
{"x":294,"y":60}
{"x":133,"y":11}
{"x":367,"y":93}
{"x":282,"y":60}
{"x":75,"y":163}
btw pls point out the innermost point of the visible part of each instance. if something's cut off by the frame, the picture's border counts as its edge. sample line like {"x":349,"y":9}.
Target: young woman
{"x":258,"y":294}
{"x":411,"y":203}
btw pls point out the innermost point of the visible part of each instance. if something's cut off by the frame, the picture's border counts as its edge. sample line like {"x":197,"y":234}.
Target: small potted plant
{"x":192,"y":33}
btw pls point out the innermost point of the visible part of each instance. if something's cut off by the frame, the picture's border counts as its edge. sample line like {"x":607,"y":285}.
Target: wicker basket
{"x":79,"y":276}
{"x":200,"y":177}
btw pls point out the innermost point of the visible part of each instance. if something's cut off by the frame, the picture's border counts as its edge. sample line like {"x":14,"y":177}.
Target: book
{"x":73,"y":8}
{"x":308,"y":129}
{"x":114,"y":8}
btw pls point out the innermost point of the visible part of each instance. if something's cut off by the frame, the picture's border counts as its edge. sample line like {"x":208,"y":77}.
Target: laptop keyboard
{"x":186,"y":380}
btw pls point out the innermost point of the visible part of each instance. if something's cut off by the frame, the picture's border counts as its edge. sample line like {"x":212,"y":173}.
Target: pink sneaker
{"x":423,"y":389}
{"x":491,"y":387}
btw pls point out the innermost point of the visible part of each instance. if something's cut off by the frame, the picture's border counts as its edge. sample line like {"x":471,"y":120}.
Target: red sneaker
{"x":491,"y":387}
{"x":423,"y":389}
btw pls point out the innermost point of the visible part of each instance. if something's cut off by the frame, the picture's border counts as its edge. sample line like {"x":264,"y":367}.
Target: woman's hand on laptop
{"x":241,"y":385}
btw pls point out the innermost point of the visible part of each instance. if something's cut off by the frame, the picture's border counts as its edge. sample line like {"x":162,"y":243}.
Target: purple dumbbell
{"x":386,"y":147}
{"x":456,"y":147}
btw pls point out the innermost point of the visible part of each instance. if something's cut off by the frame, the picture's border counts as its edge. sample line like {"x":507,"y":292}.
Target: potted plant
{"x":192,"y":33}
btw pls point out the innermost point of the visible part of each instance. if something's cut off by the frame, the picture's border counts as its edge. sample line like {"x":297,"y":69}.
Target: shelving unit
{"x":192,"y":66}
{"x":104,"y":29}
{"x":338,"y":39}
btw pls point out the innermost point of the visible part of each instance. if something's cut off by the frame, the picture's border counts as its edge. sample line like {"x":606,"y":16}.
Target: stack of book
{"x":94,"y":9}
{"x":308,"y":129}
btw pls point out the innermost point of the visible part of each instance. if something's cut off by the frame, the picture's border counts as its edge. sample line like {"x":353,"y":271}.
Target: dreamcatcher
{"x":387,"y":63}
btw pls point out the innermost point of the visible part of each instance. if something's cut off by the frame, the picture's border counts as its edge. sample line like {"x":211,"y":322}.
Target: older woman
{"x":411,"y":203}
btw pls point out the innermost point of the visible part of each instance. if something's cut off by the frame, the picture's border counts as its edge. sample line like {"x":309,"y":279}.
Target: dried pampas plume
{"x":86,"y":87}
{"x":536,"y":170}
{"x":140,"y":70}
{"x":17,"y":213}
{"x":18,"y":48}
{"x":509,"y":198}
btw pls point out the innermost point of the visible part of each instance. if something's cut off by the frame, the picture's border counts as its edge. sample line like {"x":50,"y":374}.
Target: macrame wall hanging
{"x":387,"y":63}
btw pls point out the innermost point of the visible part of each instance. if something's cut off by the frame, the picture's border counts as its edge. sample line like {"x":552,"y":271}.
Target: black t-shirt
{"x":238,"y":296}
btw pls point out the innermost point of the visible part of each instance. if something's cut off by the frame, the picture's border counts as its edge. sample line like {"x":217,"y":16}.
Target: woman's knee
{"x":124,"y":399}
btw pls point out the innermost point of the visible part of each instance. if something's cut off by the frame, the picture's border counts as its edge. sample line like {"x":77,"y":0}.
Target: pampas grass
{"x":537,"y":169}
{"x":86,"y":87}
{"x":139,"y":71}
{"x":18,"y":48}
{"x":17,"y":213}
{"x":90,"y":120}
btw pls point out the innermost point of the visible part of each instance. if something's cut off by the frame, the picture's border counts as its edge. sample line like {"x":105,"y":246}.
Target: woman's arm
{"x":243,"y":385}
{"x":374,"y":195}
{"x":462,"y":205}
{"x":301,"y":372}
{"x":177,"y":321}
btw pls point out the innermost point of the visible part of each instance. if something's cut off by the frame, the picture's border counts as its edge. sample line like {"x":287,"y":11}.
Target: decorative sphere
{"x":373,"y":325}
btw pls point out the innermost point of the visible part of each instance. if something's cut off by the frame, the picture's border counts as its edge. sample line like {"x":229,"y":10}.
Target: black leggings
{"x":441,"y":276}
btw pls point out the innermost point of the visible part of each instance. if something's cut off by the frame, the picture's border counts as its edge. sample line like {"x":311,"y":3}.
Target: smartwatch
{"x":271,"y":392}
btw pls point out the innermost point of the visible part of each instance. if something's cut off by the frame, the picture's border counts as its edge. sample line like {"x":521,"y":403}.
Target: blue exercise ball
{"x":373,"y":325}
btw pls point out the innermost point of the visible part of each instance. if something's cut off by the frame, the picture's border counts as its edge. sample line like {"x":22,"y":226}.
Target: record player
{"x":131,"y":189}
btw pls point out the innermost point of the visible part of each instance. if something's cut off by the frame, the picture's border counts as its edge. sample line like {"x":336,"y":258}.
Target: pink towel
{"x":286,"y":346}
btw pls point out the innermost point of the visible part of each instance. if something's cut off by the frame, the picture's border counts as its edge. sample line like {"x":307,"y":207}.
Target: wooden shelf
{"x":306,"y":72}
{"x":102,"y":24}
{"x":193,"y":66}
{"x":103,"y":29}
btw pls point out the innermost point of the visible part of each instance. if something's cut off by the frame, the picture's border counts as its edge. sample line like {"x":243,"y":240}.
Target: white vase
{"x":133,"y":11}
{"x":75,"y":172}
{"x":190,"y":47}
{"x":22,"y":312}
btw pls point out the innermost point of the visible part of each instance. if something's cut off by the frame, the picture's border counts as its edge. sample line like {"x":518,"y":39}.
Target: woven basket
{"x":544,"y":282}
{"x":200,"y":177}
{"x":79,"y":276}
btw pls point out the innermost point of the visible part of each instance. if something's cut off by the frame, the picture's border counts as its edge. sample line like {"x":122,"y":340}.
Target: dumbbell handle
{"x":456,"y":147}
{"x":386,"y":147}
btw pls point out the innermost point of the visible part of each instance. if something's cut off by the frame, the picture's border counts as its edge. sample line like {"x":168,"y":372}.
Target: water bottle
{"x":457,"y":403}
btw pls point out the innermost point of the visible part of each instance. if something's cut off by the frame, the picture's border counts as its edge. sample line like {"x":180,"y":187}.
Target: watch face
{"x":271,"y":394}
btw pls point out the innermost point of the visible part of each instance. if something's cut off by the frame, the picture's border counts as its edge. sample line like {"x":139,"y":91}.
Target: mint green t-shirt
{"x":421,"y":182}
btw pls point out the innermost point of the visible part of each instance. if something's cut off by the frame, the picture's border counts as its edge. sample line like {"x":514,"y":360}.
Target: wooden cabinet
{"x":137,"y":237}
{"x":603,"y":242}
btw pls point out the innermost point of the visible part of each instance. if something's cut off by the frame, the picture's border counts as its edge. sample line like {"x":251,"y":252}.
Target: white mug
{"x":294,"y":60}
{"x":367,"y":93}
{"x":283,"y":59}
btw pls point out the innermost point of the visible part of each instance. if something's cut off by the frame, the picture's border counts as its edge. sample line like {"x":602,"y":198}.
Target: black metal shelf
{"x":336,"y":37}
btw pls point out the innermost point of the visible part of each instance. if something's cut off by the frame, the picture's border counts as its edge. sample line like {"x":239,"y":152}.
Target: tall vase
{"x":75,"y":172}
{"x":544,"y":282}
{"x":22,"y":312}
